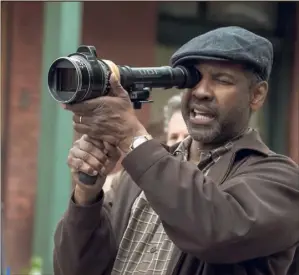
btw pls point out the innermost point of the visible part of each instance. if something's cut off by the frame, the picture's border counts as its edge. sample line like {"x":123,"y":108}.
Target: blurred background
{"x":36,"y":134}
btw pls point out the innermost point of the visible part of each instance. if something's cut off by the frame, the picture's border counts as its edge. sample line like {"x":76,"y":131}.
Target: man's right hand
{"x":92,"y":157}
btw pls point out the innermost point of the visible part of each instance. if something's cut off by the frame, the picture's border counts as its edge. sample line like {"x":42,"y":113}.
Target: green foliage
{"x":35,"y":267}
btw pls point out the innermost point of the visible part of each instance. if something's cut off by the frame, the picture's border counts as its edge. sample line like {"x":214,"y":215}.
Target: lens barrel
{"x":74,"y":79}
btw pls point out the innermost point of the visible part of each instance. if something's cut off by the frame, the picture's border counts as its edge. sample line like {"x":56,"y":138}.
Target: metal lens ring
{"x":67,"y":79}
{"x":85,"y":77}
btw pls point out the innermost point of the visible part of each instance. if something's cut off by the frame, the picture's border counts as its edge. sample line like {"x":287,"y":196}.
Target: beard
{"x":205,"y":133}
{"x":229,"y":120}
{"x":225,"y":126}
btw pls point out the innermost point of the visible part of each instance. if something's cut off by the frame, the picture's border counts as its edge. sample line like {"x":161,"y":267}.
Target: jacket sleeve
{"x":84,"y":241}
{"x":252,"y":214}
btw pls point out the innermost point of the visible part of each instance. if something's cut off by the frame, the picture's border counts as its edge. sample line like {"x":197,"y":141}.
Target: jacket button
{"x":153,"y":249}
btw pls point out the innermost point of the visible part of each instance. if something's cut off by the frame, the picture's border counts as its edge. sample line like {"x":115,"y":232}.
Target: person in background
{"x":174,"y":125}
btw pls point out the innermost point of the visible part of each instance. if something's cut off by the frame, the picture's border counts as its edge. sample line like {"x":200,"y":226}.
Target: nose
{"x":203,"y":91}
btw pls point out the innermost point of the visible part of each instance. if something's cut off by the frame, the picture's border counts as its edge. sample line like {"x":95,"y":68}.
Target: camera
{"x":81,"y":76}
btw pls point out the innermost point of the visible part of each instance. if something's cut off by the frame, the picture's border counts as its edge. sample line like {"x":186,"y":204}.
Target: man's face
{"x":177,"y":129}
{"x":218,"y":108}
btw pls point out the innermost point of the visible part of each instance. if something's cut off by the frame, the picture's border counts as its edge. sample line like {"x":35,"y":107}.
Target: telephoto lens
{"x":81,"y":76}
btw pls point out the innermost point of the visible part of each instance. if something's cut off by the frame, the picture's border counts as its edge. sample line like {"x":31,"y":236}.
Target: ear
{"x":258,"y":95}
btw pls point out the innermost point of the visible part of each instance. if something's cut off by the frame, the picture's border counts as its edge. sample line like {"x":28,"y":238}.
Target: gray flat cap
{"x":233,"y":44}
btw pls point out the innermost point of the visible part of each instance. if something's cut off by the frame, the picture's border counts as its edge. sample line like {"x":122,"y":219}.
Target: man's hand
{"x":92,"y":157}
{"x":108,"y":118}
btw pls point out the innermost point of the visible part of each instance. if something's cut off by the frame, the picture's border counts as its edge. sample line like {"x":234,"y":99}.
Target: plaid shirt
{"x":145,"y":248}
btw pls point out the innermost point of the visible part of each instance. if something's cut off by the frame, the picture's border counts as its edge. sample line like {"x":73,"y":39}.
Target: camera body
{"x":81,"y":76}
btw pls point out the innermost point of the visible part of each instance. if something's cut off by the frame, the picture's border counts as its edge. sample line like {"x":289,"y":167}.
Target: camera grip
{"x":87,"y":179}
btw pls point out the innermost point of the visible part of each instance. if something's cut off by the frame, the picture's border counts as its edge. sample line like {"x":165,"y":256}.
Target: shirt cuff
{"x":139,"y":160}
{"x":85,"y":216}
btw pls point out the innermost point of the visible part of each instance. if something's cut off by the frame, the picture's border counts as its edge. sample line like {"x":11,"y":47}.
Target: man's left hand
{"x":108,"y":118}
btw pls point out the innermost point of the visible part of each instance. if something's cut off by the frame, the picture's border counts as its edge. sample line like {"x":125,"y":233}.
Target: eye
{"x":224,"y":81}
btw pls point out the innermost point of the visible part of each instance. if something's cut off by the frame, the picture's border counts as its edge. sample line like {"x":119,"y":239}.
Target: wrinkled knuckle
{"x":107,"y":161}
{"x":108,"y":146}
{"x":100,"y":145}
{"x":85,"y":156}
{"x":76,"y":143}
{"x":86,"y":146}
{"x":79,"y":164}
{"x":98,"y":166}
{"x":102,"y":154}
{"x":69,"y":160}
{"x":96,"y":121}
{"x":105,"y":152}
{"x":81,"y":143}
{"x":72,"y":151}
{"x":89,"y":147}
{"x":103,"y":171}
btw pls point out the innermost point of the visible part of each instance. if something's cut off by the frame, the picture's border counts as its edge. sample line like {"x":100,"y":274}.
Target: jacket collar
{"x":251,"y":140}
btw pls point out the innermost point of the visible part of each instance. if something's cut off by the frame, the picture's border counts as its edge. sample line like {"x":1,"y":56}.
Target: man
{"x":220,"y":202}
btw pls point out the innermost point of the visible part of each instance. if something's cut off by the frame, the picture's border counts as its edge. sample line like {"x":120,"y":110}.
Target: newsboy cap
{"x":233,"y":44}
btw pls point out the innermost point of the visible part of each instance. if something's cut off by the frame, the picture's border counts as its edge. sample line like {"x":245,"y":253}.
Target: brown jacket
{"x":243,"y":219}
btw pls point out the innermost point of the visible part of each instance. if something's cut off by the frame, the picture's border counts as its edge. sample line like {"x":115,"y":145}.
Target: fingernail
{"x":94,"y":173}
{"x":103,"y":170}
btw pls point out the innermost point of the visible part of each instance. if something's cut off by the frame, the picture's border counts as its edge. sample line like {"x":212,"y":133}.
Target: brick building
{"x":131,"y":33}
